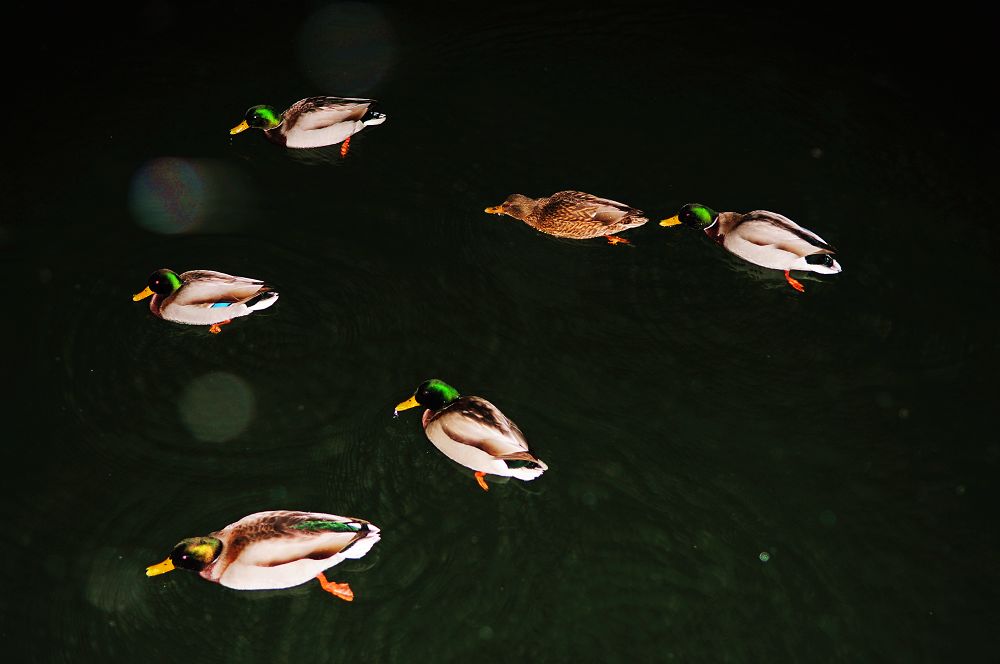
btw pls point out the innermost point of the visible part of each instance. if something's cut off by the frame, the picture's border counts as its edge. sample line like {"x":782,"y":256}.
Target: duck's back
{"x":768,"y":239}
{"x":321,"y":121}
{"x":281,"y":549}
{"x":580,"y":215}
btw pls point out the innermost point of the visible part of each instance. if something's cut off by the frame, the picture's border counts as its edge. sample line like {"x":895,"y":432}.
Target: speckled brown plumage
{"x":572,"y":214}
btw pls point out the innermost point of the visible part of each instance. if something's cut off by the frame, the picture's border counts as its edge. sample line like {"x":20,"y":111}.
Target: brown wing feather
{"x":568,"y":210}
{"x":208,"y":287}
{"x":518,"y":456}
{"x":610,"y":216}
{"x":320,"y":112}
{"x":465,"y":440}
{"x":579,"y":206}
{"x":277,"y":524}
{"x":797,"y":248}
{"x":783,"y":225}
{"x":483,"y":416}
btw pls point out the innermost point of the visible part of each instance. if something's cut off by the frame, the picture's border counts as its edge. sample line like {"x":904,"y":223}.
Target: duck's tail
{"x":367,"y":537}
{"x":373,"y":118}
{"x":821,"y":262}
{"x":527,"y":473}
{"x":262,"y":300}
{"x":524,"y":466}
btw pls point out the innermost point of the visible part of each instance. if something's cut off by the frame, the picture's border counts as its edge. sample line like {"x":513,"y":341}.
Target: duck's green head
{"x":161,"y":282}
{"x":193,"y":553}
{"x":258,"y":117}
{"x":434,"y":394}
{"x":695,"y":215}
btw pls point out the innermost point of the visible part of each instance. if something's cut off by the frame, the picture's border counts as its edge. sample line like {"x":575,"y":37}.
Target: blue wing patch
{"x":220,"y":304}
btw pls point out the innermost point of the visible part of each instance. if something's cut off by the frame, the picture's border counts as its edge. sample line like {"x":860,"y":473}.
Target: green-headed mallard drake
{"x":204,"y":297}
{"x":272,"y":550}
{"x":763,"y":238}
{"x":473,"y":432}
{"x":573,"y":214}
{"x":315,"y":122}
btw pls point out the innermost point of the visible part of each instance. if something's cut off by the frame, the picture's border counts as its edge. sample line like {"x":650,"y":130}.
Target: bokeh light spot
{"x":346,"y":48}
{"x":110,"y":585}
{"x":217,"y":407}
{"x":170,"y":195}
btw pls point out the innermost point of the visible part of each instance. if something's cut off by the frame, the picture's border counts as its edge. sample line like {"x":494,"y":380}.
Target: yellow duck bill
{"x":672,"y":221}
{"x":143,"y":294}
{"x":243,"y":126}
{"x":160,"y":568}
{"x":496,"y":209}
{"x":405,"y":405}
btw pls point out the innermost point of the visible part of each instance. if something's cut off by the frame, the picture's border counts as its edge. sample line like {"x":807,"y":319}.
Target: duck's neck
{"x":714,"y":232}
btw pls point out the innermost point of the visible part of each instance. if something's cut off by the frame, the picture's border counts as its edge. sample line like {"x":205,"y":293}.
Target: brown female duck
{"x":573,"y":214}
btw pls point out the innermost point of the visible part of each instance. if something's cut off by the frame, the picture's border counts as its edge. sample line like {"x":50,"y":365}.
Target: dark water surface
{"x":697,"y":414}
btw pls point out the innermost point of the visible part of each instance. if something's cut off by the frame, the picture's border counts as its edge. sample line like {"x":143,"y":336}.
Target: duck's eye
{"x":187,"y":561}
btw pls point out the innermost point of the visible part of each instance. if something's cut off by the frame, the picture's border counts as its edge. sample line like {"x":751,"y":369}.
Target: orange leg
{"x":341,"y":590}
{"x":344,"y":147}
{"x":217,"y":327}
{"x":479,"y":478}
{"x":796,"y":284}
{"x":614,"y":239}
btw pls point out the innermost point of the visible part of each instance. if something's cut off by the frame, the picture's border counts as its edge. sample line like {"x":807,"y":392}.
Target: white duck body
{"x":266,"y":550}
{"x":207,"y":297}
{"x":474,"y":433}
{"x":321,"y":121}
{"x":771,"y":240}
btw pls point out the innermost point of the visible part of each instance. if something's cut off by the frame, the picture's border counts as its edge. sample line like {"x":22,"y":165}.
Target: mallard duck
{"x":314,"y":122}
{"x":573,"y":214}
{"x":204,"y":297}
{"x":272,"y":550}
{"x":764,"y":238}
{"x":473,"y":432}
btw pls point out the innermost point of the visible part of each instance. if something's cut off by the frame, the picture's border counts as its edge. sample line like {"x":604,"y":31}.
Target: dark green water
{"x":695,"y":411}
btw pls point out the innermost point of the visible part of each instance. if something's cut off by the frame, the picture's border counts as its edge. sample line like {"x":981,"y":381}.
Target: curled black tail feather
{"x":260,"y":297}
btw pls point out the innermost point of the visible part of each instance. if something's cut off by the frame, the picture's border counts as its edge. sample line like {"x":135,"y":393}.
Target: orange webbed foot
{"x":341,"y":590}
{"x":217,"y":327}
{"x":345,"y":146}
{"x":614,"y":239}
{"x":795,"y":283}
{"x":480,"y":475}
